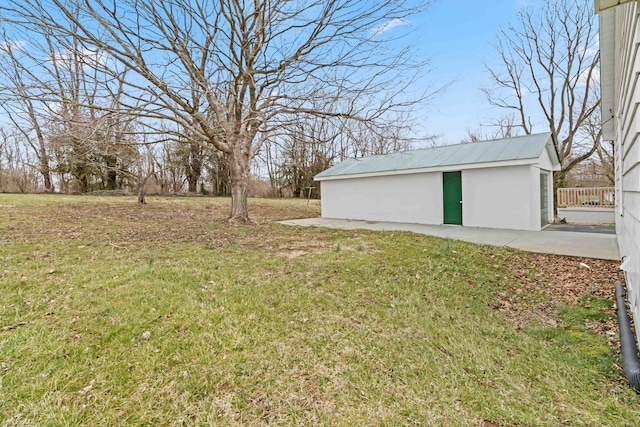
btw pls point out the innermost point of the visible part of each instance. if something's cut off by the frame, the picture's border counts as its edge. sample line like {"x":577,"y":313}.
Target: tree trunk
{"x":192,"y":181}
{"x":239,"y":207}
{"x":111,"y":162}
{"x":559,"y":181}
{"x":239,"y":180}
{"x":84,"y":183}
{"x":193,"y":166}
{"x":45,"y":170}
{"x":141,"y":193}
{"x":41,"y":151}
{"x":46,"y":174}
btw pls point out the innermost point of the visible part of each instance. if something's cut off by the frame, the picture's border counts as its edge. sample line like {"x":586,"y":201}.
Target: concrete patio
{"x":581,"y":244}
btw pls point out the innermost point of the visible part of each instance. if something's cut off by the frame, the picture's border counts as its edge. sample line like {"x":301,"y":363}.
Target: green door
{"x":544,"y":199}
{"x":452,"y":197}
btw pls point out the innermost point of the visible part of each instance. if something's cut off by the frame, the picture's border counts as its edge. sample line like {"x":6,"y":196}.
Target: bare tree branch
{"x":226,"y":72}
{"x":547,"y":68}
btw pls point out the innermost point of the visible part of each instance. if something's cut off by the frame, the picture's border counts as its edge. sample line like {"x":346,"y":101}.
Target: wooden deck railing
{"x":594,"y":197}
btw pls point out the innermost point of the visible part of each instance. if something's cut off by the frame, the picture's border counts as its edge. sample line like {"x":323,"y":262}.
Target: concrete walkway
{"x":590,"y":245}
{"x":583,"y":228}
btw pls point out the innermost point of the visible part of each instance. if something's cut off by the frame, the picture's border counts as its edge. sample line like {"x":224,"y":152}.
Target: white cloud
{"x":86,"y":56}
{"x":12,"y":45}
{"x":591,"y":52}
{"x":584,"y":77}
{"x":389,"y":25}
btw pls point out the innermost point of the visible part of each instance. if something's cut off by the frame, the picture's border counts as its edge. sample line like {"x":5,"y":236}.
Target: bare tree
{"x":606,"y":153}
{"x":604,"y":158}
{"x":547,"y":69}
{"x":92,"y":134}
{"x":382,"y":140}
{"x":20,"y":101}
{"x":170,"y":167}
{"x":299,"y":151}
{"x":301,"y":155}
{"x":217,"y":168}
{"x":66,"y":109}
{"x":145,"y":169}
{"x":17,"y":172}
{"x":503,"y":127}
{"x":254,"y":65}
{"x":192,"y":155}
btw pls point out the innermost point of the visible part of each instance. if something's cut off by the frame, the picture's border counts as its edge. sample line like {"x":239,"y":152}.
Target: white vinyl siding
{"x":501,"y":198}
{"x":622,"y":36}
{"x":495,"y":197}
{"x":412,"y":198}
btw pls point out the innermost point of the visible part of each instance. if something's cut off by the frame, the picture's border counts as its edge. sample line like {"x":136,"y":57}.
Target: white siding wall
{"x":414,"y":198}
{"x":505,"y":197}
{"x":550,"y":193}
{"x":626,"y":130}
{"x":546,"y":166}
{"x":497,"y":197}
{"x":545,"y":161}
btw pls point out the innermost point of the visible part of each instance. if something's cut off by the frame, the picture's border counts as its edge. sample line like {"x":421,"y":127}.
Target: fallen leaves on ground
{"x":544,"y":283}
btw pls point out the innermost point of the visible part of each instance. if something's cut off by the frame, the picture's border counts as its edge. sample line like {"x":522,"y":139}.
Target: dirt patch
{"x":293,"y":254}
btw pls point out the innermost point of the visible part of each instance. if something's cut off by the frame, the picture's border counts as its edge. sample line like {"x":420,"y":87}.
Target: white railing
{"x":593,"y":197}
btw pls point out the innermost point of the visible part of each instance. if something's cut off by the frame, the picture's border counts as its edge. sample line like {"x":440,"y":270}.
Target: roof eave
{"x":552,"y":150}
{"x":607,"y":72}
{"x":456,"y":167}
{"x":601,"y":5}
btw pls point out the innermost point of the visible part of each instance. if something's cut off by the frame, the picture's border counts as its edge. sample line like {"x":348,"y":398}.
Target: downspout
{"x":630,"y":363}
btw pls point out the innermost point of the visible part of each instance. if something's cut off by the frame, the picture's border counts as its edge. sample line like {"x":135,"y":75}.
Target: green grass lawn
{"x":164,"y":314}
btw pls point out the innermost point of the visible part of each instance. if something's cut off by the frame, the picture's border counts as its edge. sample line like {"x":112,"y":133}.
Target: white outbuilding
{"x":504,"y":183}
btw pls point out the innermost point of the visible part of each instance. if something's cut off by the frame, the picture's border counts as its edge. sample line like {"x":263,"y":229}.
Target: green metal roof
{"x":498,"y":150}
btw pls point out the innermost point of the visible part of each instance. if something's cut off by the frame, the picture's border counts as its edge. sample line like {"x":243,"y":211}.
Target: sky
{"x":457,"y":35}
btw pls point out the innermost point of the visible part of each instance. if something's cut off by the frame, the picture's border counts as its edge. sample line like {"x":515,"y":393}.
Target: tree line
{"x":285,"y":167}
{"x":211,"y":82}
{"x":197,"y":96}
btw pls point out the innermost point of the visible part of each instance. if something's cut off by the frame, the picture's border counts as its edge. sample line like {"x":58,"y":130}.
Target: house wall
{"x":620,"y":41}
{"x":413,"y":198}
{"x":501,"y":197}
